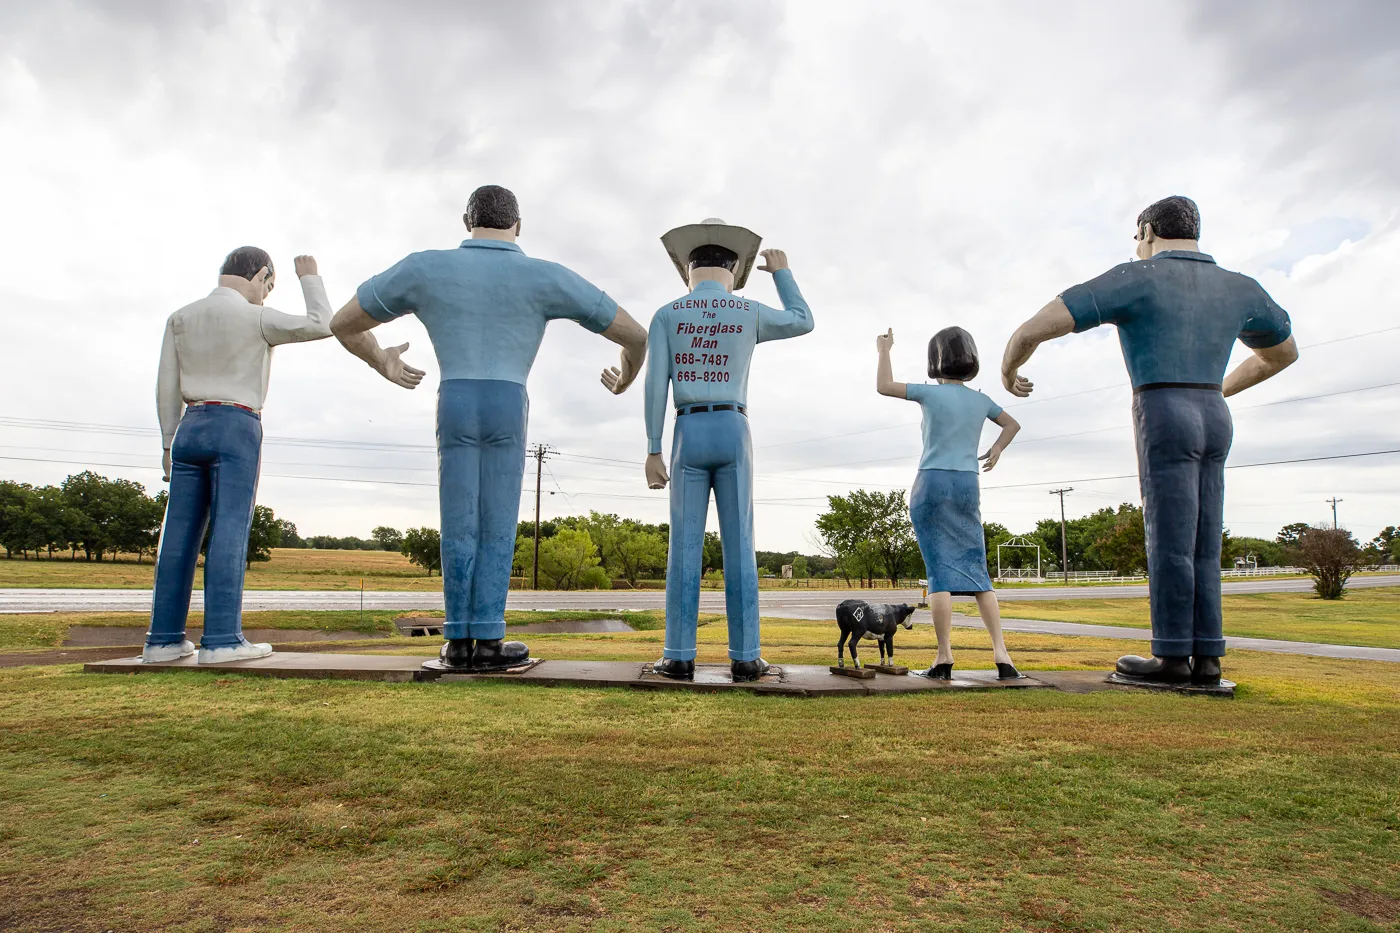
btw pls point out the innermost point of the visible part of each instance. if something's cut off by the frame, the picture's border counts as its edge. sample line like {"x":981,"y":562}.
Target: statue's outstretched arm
{"x":628,"y":334}
{"x":1050,"y":322}
{"x":352,"y":325}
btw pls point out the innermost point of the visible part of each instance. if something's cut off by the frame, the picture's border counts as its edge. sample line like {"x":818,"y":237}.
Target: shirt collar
{"x":225,"y":290}
{"x":709,"y":285}
{"x":484,"y":243}
{"x":1184,"y":254}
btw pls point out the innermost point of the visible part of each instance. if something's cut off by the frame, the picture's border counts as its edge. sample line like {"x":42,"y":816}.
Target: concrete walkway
{"x":1315,"y":649}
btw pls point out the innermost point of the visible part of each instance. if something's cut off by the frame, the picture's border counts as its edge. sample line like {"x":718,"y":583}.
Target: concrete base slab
{"x":1225,"y":689}
{"x":781,"y":680}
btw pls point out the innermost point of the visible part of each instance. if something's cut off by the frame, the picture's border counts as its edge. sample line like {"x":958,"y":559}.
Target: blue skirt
{"x":945,"y":506}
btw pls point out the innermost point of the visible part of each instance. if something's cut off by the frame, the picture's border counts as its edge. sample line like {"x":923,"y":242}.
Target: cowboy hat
{"x":712,"y":231}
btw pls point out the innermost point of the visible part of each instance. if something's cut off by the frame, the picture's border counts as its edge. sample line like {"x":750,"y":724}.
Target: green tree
{"x":1123,"y":545}
{"x":264,"y":534}
{"x":390,"y":539}
{"x":628,"y":550}
{"x":799,"y":568}
{"x":568,"y":560}
{"x":713,"y":553}
{"x":1384,"y":548}
{"x":423,"y":546}
{"x":290,"y":538}
{"x":870,"y":531}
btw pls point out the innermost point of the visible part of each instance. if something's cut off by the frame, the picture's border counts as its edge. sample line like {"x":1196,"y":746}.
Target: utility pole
{"x":539,"y":452}
{"x":1064,"y":541}
{"x":1333,"y":502}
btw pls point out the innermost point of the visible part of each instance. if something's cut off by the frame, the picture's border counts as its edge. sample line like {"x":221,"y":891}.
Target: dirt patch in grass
{"x":1366,"y":904}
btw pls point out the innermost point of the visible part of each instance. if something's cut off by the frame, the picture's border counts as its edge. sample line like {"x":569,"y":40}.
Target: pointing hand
{"x":885,"y":341}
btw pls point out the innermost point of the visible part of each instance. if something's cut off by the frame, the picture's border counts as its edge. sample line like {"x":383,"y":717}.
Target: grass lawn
{"x":1368,"y":617}
{"x":199,"y":802}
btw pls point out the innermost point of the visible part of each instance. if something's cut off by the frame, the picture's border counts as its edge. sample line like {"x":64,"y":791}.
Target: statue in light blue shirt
{"x":701,"y":345}
{"x":485,"y":306}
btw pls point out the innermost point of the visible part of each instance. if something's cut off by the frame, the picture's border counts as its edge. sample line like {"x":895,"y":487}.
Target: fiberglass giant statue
{"x":1178,"y":315}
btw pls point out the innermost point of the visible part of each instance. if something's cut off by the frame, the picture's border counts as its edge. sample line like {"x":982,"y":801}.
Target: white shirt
{"x":219,"y":349}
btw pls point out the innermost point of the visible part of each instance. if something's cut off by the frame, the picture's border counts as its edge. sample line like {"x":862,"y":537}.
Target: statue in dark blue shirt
{"x":1178,"y":315}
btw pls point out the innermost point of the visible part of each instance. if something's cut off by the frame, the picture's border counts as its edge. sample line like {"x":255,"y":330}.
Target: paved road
{"x":793,"y":604}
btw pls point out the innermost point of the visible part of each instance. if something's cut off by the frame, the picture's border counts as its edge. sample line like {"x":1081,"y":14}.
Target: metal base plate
{"x":436,"y":666}
{"x":1226,"y":688}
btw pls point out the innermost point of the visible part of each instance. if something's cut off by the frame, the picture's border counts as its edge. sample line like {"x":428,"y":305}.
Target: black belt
{"x":1177,"y":385}
{"x":693,"y":409}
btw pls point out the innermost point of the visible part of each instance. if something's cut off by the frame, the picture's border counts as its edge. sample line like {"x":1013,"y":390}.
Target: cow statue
{"x":859,"y":618}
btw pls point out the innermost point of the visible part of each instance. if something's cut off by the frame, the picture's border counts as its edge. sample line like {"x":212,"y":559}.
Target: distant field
{"x":1369,"y":617}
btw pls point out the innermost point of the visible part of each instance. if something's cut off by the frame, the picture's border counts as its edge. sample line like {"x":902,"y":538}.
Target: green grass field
{"x":200,"y":802}
{"x":1368,"y":617}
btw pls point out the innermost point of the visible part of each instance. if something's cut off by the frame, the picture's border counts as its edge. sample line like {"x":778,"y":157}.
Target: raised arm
{"x":884,"y":373}
{"x":1264,"y":364}
{"x":1010,"y":427}
{"x":1050,"y":322}
{"x":352,"y":325}
{"x":628,"y":334}
{"x":658,"y":387}
{"x":795,"y":319}
{"x":170,"y":403}
{"x":278,"y":327}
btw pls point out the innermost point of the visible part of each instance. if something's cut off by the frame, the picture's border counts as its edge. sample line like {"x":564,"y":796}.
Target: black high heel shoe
{"x":1008,"y":672}
{"x":940,"y":672}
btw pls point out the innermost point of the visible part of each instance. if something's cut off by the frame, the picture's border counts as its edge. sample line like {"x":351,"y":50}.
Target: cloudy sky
{"x":922,"y":164}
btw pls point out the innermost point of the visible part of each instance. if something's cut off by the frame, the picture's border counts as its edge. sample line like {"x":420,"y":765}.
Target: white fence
{"x":1023,"y":575}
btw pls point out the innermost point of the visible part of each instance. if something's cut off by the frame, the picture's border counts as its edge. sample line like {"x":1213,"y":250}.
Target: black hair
{"x":493,"y":207}
{"x":1173,"y":218}
{"x":952,"y":354}
{"x":710,"y":256}
{"x":246,"y":261}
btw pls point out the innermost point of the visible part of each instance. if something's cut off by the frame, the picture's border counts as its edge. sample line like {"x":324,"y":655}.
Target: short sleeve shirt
{"x":953,"y":420}
{"x":485,"y":305}
{"x":1178,"y":316}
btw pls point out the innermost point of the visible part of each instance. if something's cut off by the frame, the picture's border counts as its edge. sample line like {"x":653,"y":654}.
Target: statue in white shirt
{"x":214,"y":368}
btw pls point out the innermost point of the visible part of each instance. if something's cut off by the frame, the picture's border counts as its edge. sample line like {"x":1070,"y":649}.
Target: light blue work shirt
{"x":953,"y":419}
{"x":485,"y":305}
{"x":700,"y":346}
{"x":1178,"y":316}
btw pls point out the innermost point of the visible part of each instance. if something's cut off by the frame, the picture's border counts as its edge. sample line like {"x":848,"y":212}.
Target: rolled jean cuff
{"x":679,"y":654}
{"x":484,"y":631}
{"x":155,"y":640}
{"x":1172,"y":647}
{"x":226,"y":640}
{"x":1209,"y":648}
{"x":752,"y":655}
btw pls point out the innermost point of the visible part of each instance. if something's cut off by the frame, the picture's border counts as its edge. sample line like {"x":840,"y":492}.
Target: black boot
{"x":1007,"y":672}
{"x":675,"y":668}
{"x":940,"y":672}
{"x":1205,"y":672}
{"x":497,"y":654}
{"x":1157,"y":670}
{"x":743,"y":672}
{"x":456,"y":653}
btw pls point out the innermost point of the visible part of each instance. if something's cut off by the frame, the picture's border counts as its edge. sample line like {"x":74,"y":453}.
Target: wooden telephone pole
{"x":540,"y":452}
{"x":1333,"y":502}
{"x":1064,"y":542}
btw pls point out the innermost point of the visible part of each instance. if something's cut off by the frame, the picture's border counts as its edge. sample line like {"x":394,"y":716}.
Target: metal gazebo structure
{"x":1019,"y":573}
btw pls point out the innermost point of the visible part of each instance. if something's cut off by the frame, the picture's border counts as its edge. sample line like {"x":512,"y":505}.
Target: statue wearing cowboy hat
{"x":700,"y":347}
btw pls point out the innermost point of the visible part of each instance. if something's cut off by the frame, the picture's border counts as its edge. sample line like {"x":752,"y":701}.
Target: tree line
{"x":102,"y":517}
{"x":868,"y":535}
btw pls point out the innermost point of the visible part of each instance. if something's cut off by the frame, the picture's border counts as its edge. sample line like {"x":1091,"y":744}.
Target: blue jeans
{"x":711,"y":450}
{"x":1183,"y":438}
{"x":213,"y":481}
{"x":481,"y":462}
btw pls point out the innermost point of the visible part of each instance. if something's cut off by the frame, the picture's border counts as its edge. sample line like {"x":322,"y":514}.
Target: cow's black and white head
{"x":904,"y":615}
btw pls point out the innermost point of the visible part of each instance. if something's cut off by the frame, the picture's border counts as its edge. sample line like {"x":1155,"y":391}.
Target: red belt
{"x":253,"y":411}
